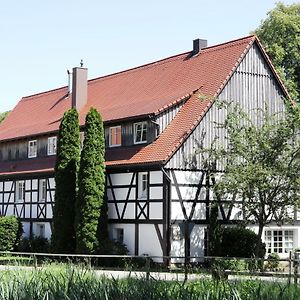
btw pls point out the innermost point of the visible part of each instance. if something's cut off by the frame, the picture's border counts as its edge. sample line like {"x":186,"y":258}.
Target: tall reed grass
{"x":68,"y":282}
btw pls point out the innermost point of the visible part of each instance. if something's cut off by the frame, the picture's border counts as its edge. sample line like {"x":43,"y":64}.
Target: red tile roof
{"x":144,"y":90}
{"x":140,"y":91}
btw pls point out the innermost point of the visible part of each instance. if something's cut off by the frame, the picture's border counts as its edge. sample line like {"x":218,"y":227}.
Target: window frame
{"x":40,"y":230}
{"x":18,"y":194}
{"x":144,"y":127}
{"x":143,"y":193}
{"x":117,"y":233}
{"x":280,"y":241}
{"x":110,"y":136}
{"x":50,"y":143}
{"x":41,"y":187}
{"x":32,"y":143}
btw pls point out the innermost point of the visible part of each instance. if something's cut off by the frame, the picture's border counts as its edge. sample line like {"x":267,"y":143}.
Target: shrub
{"x":34,"y":245}
{"x":239,"y":242}
{"x":10,"y":232}
{"x":273,"y":264}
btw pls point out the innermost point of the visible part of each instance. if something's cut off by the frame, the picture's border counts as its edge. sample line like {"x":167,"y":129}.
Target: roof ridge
{"x":44,"y":92}
{"x":166,"y":59}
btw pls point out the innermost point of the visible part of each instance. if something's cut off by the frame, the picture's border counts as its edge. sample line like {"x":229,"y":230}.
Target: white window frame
{"x":143,"y":179}
{"x":32,"y":148}
{"x":144,"y":127}
{"x":42,"y":190}
{"x":279,"y":241}
{"x":118,"y":235}
{"x":20,"y":191}
{"x":113,"y":138}
{"x":40,"y":230}
{"x":52,"y":144}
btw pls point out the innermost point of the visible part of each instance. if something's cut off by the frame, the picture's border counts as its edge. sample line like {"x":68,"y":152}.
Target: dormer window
{"x":52,"y":145}
{"x":115,"y":136}
{"x":140,"y":132}
{"x":32,"y":148}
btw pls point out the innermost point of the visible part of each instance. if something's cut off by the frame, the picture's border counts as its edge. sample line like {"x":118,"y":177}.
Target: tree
{"x":91,"y":184}
{"x":66,"y":168}
{"x":280,"y":35}
{"x":3,"y":115}
{"x":261,"y":166}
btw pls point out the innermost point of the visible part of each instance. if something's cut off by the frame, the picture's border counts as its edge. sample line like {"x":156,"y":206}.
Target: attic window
{"x":115,"y":136}
{"x":140,"y":132}
{"x":52,"y":145}
{"x":32,"y":148}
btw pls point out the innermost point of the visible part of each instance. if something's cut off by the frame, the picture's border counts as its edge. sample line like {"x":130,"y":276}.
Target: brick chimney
{"x":79,"y":87}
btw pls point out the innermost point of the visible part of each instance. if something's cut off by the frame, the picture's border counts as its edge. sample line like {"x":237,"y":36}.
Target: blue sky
{"x":40,"y":40}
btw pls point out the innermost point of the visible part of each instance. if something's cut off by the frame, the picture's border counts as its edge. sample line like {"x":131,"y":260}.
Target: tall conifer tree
{"x":91,"y":184}
{"x":66,"y":169}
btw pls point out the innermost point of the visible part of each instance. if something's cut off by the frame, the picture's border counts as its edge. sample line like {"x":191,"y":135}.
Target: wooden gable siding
{"x":252,"y":85}
{"x":166,"y":116}
{"x":18,"y":150}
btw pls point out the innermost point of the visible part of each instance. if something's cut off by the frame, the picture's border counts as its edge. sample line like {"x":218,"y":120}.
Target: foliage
{"x":34,"y":244}
{"x":238,"y":241}
{"x":89,"y":204}
{"x":261,"y":165}
{"x":10,"y":233}
{"x":66,"y":168}
{"x":214,"y":231}
{"x":279,"y":33}
{"x":3,"y":115}
{"x":273,"y":263}
{"x":67,"y":282}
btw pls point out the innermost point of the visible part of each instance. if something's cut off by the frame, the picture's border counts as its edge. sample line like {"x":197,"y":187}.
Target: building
{"x":156,"y":116}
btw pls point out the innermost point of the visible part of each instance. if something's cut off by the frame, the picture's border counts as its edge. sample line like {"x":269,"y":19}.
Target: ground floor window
{"x":279,"y":241}
{"x":118,"y":235}
{"x":40,"y":230}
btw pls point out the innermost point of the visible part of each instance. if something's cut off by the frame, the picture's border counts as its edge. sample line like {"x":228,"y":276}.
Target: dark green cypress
{"x":91,"y":184}
{"x":66,"y":169}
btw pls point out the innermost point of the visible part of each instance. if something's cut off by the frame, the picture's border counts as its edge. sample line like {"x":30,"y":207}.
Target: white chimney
{"x":79,"y":87}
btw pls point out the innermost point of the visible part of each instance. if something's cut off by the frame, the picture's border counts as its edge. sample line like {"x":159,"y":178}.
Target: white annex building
{"x":155,"y":118}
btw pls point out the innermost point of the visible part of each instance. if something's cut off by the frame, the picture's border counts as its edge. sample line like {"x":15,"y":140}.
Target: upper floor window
{"x":52,"y":145}
{"x":115,"y":136}
{"x":32,"y":148}
{"x":42,"y":190}
{"x":140,"y":132}
{"x":20,"y":190}
{"x":143,"y":185}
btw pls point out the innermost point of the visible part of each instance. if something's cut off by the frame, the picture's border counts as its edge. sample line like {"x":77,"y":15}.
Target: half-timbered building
{"x":156,"y":116}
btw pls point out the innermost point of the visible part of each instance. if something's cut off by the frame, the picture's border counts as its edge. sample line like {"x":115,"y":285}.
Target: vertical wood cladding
{"x":252,"y":86}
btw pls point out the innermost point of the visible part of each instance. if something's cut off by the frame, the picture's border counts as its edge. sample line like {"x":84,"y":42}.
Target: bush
{"x":238,"y":242}
{"x":10,"y":233}
{"x":273,"y":264}
{"x":34,"y":245}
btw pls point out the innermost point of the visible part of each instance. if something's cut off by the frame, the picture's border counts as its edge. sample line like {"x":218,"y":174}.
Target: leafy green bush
{"x":10,"y":232}
{"x":238,"y":242}
{"x":34,"y":244}
{"x":273,"y":264}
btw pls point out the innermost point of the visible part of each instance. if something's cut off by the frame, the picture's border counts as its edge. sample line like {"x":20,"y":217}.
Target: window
{"x":40,"y":230}
{"x":143,"y":185}
{"x":42,"y":190}
{"x":52,"y":145}
{"x":20,"y":191}
{"x":176,"y":233}
{"x":119,"y":235}
{"x":279,"y":241}
{"x":115,"y":136}
{"x":32,"y":149}
{"x":140,"y":132}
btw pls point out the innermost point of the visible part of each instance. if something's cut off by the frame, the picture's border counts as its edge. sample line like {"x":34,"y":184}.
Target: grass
{"x":69,"y":282}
